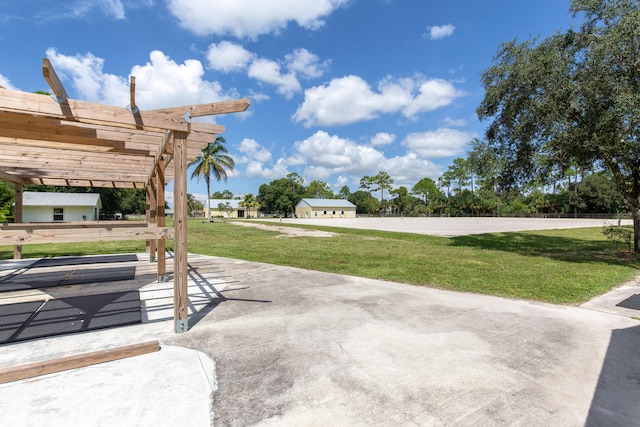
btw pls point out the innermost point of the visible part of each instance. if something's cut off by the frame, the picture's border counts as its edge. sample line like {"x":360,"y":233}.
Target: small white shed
{"x":325,"y":208}
{"x":60,"y":207}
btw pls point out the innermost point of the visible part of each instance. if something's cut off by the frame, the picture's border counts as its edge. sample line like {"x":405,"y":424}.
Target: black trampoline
{"x":51,"y":279}
{"x":38,"y":319}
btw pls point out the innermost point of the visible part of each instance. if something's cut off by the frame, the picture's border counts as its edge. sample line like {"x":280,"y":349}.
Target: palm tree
{"x":212,"y":159}
{"x":249,"y":202}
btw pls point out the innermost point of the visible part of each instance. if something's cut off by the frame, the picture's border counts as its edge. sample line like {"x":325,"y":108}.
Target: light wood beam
{"x":162,"y":243}
{"x":28,"y":236}
{"x":8,"y":177}
{"x":36,"y":369}
{"x":132,"y":94}
{"x":54,"y":82}
{"x":88,"y":112}
{"x":153,"y":213}
{"x":17,"y":217}
{"x":211,"y":109}
{"x":180,"y":270}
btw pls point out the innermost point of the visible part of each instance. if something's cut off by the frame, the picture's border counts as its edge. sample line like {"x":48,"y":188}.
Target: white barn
{"x":325,"y":208}
{"x":60,"y":207}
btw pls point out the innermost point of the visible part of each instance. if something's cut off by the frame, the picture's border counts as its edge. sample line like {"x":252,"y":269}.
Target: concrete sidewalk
{"x":290,"y":347}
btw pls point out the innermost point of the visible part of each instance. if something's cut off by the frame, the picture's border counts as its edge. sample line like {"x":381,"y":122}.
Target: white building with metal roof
{"x":325,"y":208}
{"x":60,"y":207}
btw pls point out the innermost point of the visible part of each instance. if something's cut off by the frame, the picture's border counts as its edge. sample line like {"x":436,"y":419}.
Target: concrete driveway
{"x":301,"y":348}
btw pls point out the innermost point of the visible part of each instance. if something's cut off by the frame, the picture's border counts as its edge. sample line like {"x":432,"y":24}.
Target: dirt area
{"x":286,"y":232}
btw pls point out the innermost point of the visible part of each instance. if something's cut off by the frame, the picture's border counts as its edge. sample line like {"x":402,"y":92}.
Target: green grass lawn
{"x":559,"y":266}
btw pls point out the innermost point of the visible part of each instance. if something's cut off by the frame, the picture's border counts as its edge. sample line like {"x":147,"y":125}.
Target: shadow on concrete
{"x":216,"y":297}
{"x":616,"y":401}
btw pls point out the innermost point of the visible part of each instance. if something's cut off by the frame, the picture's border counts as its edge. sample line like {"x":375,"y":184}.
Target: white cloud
{"x":382,"y":138}
{"x":268,"y":71}
{"x":226,"y":56}
{"x":299,"y":64}
{"x":433,"y":94}
{"x":441,"y":143}
{"x":160,"y":83}
{"x":305,"y":64}
{"x":89,"y":80}
{"x":4,"y":82}
{"x":112,"y":8}
{"x":285,"y":75}
{"x":408,"y":169}
{"x":350,"y":99}
{"x":252,"y":151}
{"x":329,"y":154}
{"x":322,"y":156}
{"x":448,"y":121}
{"x":440,"y":31}
{"x":257,"y":169}
{"x":250,"y":18}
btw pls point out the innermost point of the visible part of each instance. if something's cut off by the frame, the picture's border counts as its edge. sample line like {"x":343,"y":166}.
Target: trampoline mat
{"x":52,"y":279}
{"x":13,"y":316}
{"x":632,"y":302}
{"x":81,"y":260}
{"x":23,"y":321}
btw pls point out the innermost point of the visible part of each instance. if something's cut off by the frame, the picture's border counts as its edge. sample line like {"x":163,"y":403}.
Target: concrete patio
{"x":271,"y":345}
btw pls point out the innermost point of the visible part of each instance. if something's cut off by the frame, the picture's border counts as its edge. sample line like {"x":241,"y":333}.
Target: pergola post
{"x":162,"y":256}
{"x":151,"y":215}
{"x":180,"y":272}
{"x":17,"y":217}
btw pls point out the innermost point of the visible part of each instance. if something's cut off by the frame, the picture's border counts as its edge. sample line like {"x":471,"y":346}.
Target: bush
{"x":619,"y":235}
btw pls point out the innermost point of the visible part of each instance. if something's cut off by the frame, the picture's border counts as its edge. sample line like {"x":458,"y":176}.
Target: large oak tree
{"x":571,"y":99}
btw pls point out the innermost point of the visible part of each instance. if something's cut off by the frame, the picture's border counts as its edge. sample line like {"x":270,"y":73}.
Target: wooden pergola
{"x":54,"y":140}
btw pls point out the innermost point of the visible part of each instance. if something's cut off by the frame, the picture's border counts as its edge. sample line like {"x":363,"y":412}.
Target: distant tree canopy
{"x":281,"y":196}
{"x":224,"y":194}
{"x":570,"y":101}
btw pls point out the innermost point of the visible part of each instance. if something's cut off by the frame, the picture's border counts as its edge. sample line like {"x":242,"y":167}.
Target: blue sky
{"x":339,"y":89}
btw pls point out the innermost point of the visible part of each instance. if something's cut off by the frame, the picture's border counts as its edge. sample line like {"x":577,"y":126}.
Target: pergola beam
{"x":4,"y":176}
{"x":201,"y":110}
{"x":72,"y":233}
{"x":55,"y":84}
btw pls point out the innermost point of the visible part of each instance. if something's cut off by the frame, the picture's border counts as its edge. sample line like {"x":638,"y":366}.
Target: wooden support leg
{"x":162,"y":255}
{"x":17,"y":218}
{"x":180,"y":272}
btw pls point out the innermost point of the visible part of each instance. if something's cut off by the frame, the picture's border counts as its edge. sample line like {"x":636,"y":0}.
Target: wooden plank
{"x":180,"y":269}
{"x":15,"y":236}
{"x":208,"y":129}
{"x":97,"y":183}
{"x":17,"y":217}
{"x":151,"y":218}
{"x":72,"y":224}
{"x":162,"y":243}
{"x":168,"y":136}
{"x":16,"y":179}
{"x":36,"y":369}
{"x":132,"y":94}
{"x":51,"y":77}
{"x":88,"y":112}
{"x":210,"y":109}
{"x":60,"y":172}
{"x":72,"y":161}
